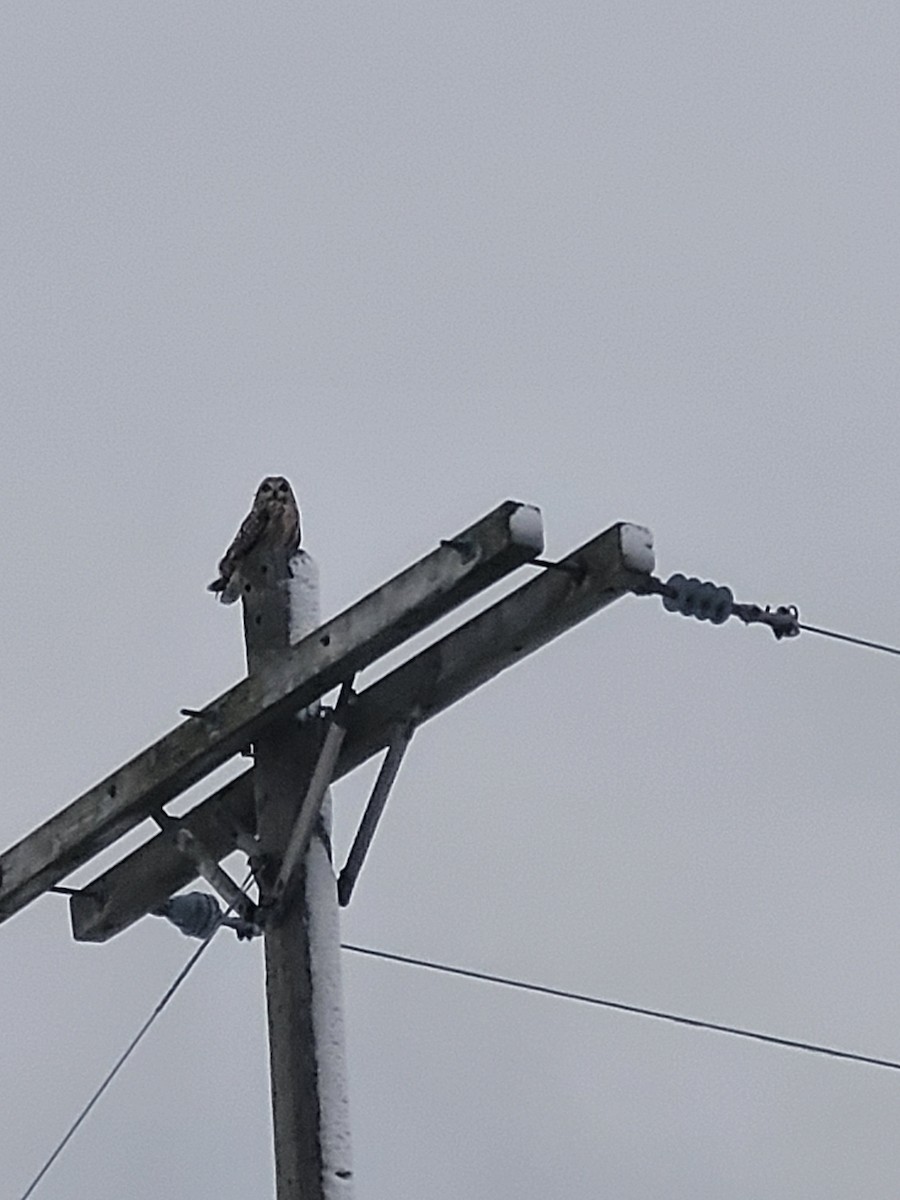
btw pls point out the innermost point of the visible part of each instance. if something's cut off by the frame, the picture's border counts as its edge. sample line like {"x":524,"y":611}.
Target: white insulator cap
{"x":636,"y":542}
{"x":527,"y":527}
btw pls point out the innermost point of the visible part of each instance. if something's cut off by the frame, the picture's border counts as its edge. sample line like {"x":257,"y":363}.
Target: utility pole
{"x":310,"y":1115}
{"x":278,"y":813}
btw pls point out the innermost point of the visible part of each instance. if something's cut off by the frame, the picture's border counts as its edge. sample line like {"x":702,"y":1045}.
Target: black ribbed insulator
{"x":698,"y":598}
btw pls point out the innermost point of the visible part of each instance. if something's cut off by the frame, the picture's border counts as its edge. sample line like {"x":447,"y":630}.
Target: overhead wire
{"x":131,"y":1047}
{"x":619,"y":1006}
{"x":487,"y":977}
{"x":846,"y":637}
{"x":707,"y":601}
{"x":463,"y":973}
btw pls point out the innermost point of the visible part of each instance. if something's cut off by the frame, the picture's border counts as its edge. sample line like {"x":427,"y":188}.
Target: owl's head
{"x":274,"y":487}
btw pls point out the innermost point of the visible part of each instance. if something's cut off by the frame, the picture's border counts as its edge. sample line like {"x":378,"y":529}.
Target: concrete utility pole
{"x":302,"y":942}
{"x":279,"y":812}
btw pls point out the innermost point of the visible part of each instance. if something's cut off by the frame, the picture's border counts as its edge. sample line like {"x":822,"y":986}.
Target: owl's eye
{"x":266,"y":487}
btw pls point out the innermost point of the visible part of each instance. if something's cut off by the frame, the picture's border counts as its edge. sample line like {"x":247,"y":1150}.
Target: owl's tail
{"x":218,"y":586}
{"x":222,"y":590}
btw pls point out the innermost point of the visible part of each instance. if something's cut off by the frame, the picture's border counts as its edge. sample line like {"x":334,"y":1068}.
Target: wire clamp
{"x":784,"y":621}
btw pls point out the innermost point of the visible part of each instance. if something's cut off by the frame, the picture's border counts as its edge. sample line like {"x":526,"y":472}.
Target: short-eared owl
{"x":274,"y":520}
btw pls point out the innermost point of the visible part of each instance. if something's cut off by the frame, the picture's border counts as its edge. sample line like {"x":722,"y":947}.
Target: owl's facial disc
{"x":274,"y":485}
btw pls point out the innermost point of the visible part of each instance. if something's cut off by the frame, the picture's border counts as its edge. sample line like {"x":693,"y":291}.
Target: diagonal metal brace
{"x":207,"y":866}
{"x":400,"y":739}
{"x":311,"y":804}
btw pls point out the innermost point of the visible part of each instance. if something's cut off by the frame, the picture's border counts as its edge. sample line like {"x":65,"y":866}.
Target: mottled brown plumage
{"x":273,"y":521}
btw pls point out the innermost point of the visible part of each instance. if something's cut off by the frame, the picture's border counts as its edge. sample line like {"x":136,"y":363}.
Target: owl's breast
{"x":285,"y":526}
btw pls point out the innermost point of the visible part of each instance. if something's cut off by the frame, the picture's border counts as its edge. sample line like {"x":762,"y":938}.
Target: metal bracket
{"x":243,"y":839}
{"x":311,"y":804}
{"x":217,"y":877}
{"x":400,"y":739}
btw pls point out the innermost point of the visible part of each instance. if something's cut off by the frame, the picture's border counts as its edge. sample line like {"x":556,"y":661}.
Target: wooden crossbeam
{"x":460,"y":567}
{"x":591,"y":578}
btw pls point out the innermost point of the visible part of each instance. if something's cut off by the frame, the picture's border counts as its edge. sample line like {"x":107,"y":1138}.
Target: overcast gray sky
{"x":627,"y":261}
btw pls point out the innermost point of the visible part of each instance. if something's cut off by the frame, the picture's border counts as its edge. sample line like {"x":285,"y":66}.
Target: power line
{"x":132,"y":1045}
{"x":691,"y":597}
{"x":846,"y":637}
{"x":179,"y":979}
{"x":581,"y":997}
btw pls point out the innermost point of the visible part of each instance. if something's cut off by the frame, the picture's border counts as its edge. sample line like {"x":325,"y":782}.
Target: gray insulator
{"x":196,"y":914}
{"x":698,"y":598}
